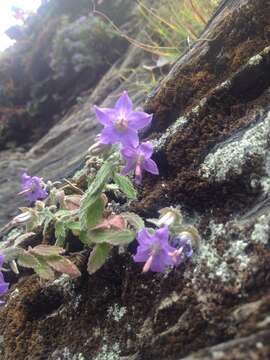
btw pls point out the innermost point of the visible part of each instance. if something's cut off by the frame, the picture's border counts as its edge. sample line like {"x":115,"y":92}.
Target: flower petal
{"x":145,"y":238}
{"x":163,"y":235}
{"x":41,"y":194}
{"x":105,"y":116}
{"x":150,"y":166}
{"x":129,"y":152}
{"x":124,"y":104}
{"x":141,"y":255}
{"x":157,"y":264}
{"x":129,"y":138}
{"x":25,"y":177}
{"x":3,"y":288}
{"x":109,"y":136}
{"x":2,"y":258}
{"x":128,"y":168}
{"x":138,"y":120}
{"x":147,"y":149}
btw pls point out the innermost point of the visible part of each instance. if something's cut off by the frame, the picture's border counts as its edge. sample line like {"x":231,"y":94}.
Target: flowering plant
{"x":93,"y":216}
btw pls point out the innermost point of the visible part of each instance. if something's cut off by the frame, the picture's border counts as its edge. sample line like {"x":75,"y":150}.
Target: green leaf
{"x":63,"y":213}
{"x":45,"y":217}
{"x":134,"y":220}
{"x":74,"y":226}
{"x":60,"y":233}
{"x":101,"y":178}
{"x":63,"y":265}
{"x":98,"y":257}
{"x":125,"y":185}
{"x":27,"y":260}
{"x":24,"y":239}
{"x":46,"y":250}
{"x":44,"y":270}
{"x":84,"y":238}
{"x":91,"y":216}
{"x":112,"y":237}
{"x":11,"y":253}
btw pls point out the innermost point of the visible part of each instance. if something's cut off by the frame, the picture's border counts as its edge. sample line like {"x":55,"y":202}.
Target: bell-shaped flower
{"x":182,"y":247}
{"x":153,"y":250}
{"x":139,"y":159}
{"x":33,"y":188}
{"x":121,"y":123}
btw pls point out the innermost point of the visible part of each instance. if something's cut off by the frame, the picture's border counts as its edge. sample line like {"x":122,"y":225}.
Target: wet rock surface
{"x":211,"y":131}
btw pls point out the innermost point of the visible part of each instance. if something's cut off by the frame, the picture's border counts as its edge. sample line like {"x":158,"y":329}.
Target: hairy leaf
{"x":73,"y":201}
{"x":116,"y":222}
{"x":74,"y":226}
{"x":101,"y":178}
{"x":98,"y":257}
{"x":27,"y":260}
{"x":134,"y":220}
{"x":24,"y":238}
{"x":44,"y":270}
{"x":92,"y":215}
{"x":60,"y":233}
{"x":46,"y":250}
{"x":113,"y":237}
{"x":11,"y":253}
{"x":63,"y":265}
{"x":125,"y":185}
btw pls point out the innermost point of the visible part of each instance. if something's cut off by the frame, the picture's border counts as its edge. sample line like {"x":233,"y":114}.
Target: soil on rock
{"x":211,"y":130}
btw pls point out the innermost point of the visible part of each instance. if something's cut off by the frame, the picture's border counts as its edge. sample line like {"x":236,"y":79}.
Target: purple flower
{"x":182,"y":247}
{"x":33,"y":188}
{"x":138,"y":159}
{"x":3,"y":285}
{"x":154,"y":250}
{"x":121,"y":123}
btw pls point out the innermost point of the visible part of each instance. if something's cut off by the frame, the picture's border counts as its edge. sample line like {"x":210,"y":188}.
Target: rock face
{"x":211,"y":132}
{"x":66,"y":111}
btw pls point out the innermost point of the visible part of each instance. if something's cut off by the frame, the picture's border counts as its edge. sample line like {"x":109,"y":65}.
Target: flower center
{"x":121,"y":124}
{"x":32,"y":187}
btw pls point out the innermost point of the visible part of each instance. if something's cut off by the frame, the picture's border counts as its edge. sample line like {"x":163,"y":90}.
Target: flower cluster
{"x":3,"y":285}
{"x":121,"y":125}
{"x":157,"y":252}
{"x":33,"y":188}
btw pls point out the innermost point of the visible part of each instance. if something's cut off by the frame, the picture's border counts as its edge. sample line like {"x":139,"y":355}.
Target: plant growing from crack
{"x":90,"y":216}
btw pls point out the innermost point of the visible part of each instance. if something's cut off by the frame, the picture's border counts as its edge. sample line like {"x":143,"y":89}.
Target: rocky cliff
{"x":211,"y":133}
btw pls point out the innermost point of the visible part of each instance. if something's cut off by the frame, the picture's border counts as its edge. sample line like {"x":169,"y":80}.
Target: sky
{"x":7,"y":19}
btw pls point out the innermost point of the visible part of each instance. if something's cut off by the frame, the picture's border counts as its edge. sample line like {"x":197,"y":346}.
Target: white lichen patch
{"x":217,"y":230}
{"x":109,"y":352}
{"x":176,"y":126}
{"x":229,"y":159}
{"x":261,"y":231}
{"x":116,"y":312}
{"x":218,"y":264}
{"x":237,"y":252}
{"x":168,"y":301}
{"x":65,"y":354}
{"x":255,"y":60}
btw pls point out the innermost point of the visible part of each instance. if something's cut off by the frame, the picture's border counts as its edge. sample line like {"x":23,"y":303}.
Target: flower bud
{"x":169,"y":216}
{"x":39,"y":205}
{"x":22,"y":218}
